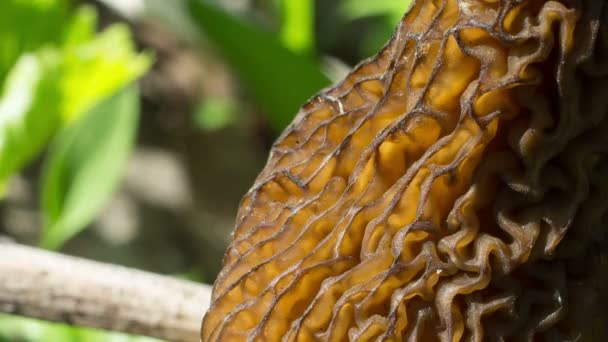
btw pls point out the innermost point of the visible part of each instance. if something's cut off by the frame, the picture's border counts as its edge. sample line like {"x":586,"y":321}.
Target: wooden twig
{"x":59,"y":288}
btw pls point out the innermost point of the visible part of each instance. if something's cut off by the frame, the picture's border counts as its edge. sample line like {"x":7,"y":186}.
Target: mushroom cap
{"x":451,"y":188}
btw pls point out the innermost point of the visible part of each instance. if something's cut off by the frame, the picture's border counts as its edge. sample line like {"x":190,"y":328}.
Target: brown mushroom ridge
{"x":452,"y":188}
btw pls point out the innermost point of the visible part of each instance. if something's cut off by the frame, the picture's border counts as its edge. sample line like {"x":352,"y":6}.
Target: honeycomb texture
{"x":452,"y":188}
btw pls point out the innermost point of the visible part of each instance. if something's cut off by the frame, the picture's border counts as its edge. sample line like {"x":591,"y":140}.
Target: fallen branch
{"x":70,"y":290}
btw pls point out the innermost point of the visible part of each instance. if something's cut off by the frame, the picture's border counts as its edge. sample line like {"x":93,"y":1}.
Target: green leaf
{"x":298,"y":31}
{"x":395,"y":9}
{"x":27,"y":115}
{"x":13,"y":328}
{"x":27,"y":25}
{"x":98,"y":68}
{"x":52,"y":87}
{"x":213,"y":114}
{"x":85,"y":165}
{"x":279,"y":80}
{"x":81,"y":27}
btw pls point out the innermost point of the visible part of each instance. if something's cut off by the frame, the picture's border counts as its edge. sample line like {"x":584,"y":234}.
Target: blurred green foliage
{"x":27,"y":25}
{"x":388,"y":11}
{"x":392,"y":9}
{"x":54,"y":85}
{"x":280,"y":69}
{"x":215,"y":113}
{"x":69,"y":89}
{"x":278,"y":79}
{"x":98,"y":144}
{"x":30,"y":330}
{"x":64,"y":84}
{"x":298,"y":25}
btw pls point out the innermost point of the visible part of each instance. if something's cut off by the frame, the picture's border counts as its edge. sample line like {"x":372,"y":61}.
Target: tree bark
{"x":70,"y":290}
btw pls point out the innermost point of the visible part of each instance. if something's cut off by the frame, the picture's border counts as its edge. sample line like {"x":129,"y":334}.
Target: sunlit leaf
{"x":85,"y":164}
{"x":81,"y":27}
{"x":99,"y":67}
{"x":27,"y":110}
{"x":366,"y":8}
{"x":298,"y":31}
{"x":278,"y":79}
{"x":49,"y":89}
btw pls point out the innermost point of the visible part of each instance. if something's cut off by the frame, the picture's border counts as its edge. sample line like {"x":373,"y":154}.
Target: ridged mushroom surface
{"x":452,"y":188}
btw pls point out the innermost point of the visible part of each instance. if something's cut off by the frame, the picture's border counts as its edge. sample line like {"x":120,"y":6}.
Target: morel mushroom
{"x":452,"y":188}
